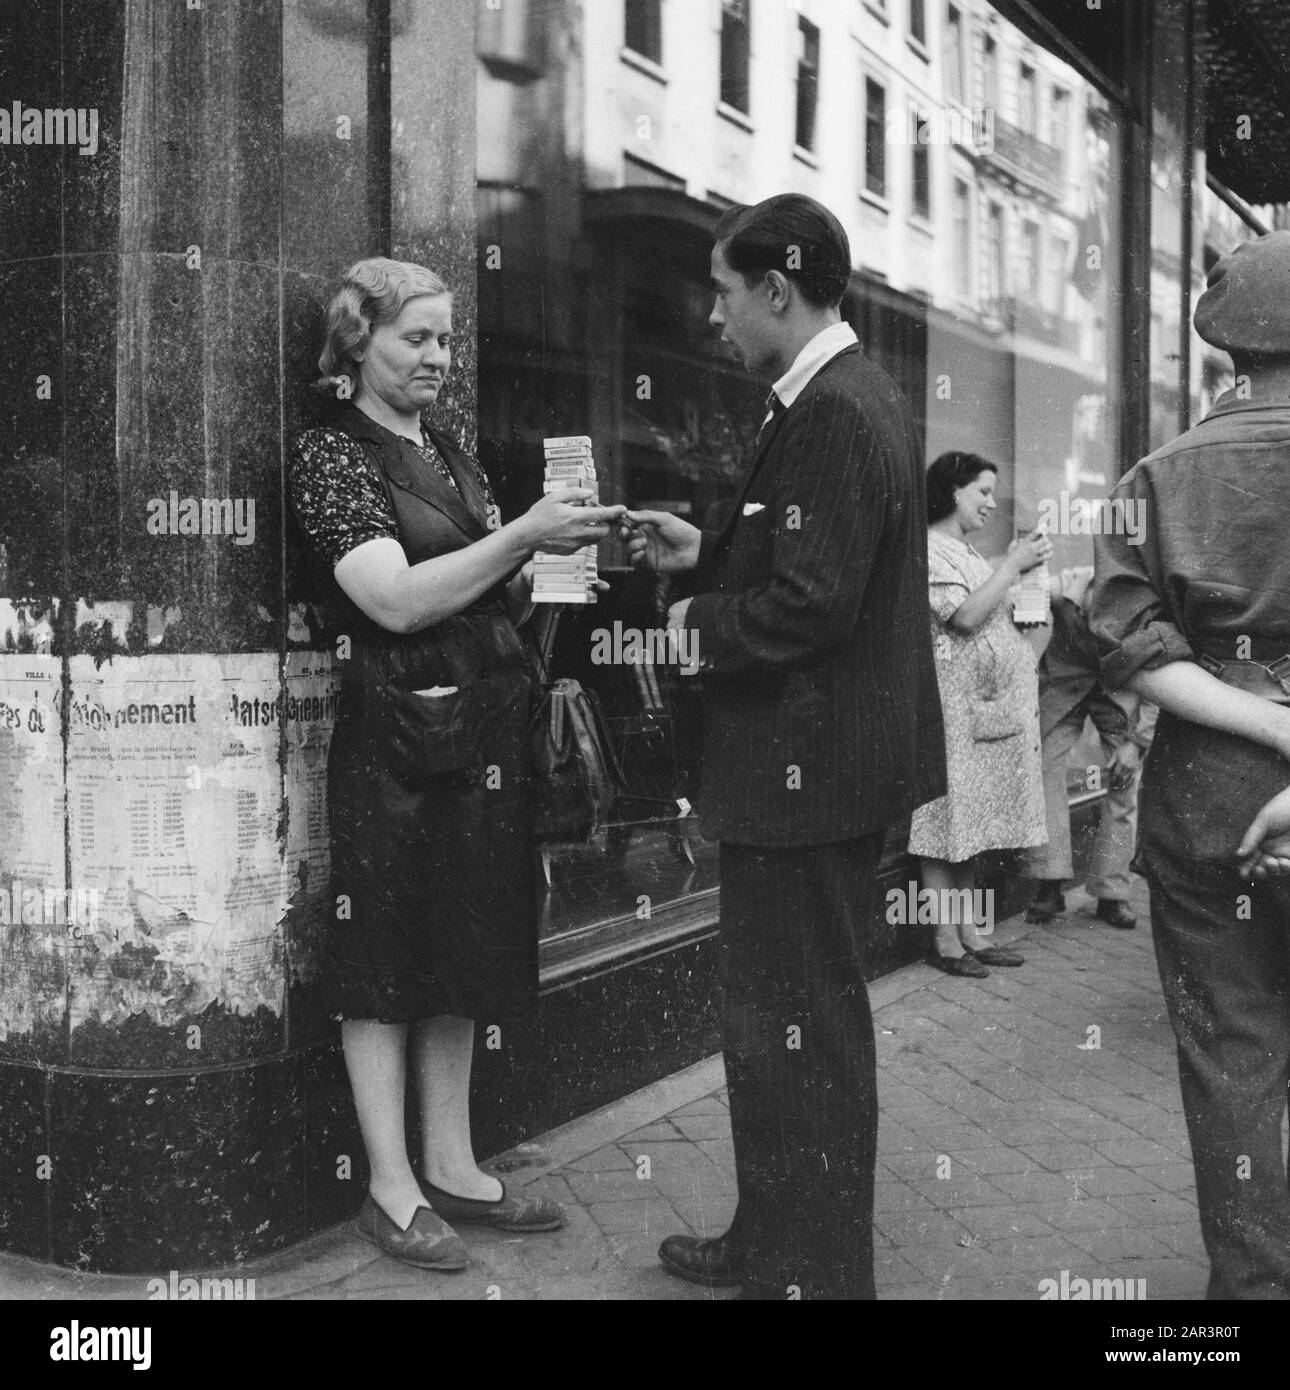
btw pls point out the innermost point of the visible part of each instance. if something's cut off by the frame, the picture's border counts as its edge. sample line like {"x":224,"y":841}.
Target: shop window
{"x":595,"y":322}
{"x":736,"y":47}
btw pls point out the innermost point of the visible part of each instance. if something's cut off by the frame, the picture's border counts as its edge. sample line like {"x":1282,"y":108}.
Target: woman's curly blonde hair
{"x":372,"y":292}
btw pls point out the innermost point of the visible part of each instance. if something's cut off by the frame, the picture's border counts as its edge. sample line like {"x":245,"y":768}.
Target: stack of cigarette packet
{"x":567,"y":578}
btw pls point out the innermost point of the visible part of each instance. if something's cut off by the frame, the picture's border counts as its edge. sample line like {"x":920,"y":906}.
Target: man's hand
{"x":1124,"y":764}
{"x":660,"y":541}
{"x":1265,"y":847}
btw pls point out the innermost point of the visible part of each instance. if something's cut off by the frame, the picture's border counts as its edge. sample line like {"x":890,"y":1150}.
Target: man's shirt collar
{"x":821,"y":349}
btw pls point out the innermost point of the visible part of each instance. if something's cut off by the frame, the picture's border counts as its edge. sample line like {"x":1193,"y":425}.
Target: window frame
{"x":872,"y":85}
{"x":808,"y":34}
{"x":654,"y":25}
{"x":728,"y":25}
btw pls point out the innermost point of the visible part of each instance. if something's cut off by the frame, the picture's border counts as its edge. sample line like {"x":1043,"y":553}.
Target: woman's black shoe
{"x":715,"y":1263}
{"x":998,"y":955}
{"x":1049,"y":902}
{"x":1114,"y":912}
{"x":966,"y":964}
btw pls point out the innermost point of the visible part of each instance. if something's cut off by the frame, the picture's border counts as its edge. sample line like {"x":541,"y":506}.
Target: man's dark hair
{"x":795,"y":235}
{"x":946,"y":475}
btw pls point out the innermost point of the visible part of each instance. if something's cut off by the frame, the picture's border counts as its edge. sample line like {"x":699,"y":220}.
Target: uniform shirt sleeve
{"x":1127,"y":612}
{"x":337,"y":495}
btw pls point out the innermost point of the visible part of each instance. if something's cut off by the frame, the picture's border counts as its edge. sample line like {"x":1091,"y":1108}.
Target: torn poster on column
{"x":34,"y":906}
{"x":174,"y":805}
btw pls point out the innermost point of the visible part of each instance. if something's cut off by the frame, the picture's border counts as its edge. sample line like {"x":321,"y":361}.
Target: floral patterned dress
{"x":990,"y":698}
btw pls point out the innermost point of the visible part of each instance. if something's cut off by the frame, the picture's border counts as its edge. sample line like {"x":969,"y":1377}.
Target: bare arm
{"x":1190,"y":692}
{"x":406,"y":598}
{"x":981,"y":602}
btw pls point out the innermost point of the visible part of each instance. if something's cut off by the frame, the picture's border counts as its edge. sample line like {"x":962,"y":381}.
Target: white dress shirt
{"x":821,"y":349}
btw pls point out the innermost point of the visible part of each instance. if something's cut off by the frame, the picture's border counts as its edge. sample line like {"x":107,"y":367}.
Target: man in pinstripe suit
{"x":823,"y":727}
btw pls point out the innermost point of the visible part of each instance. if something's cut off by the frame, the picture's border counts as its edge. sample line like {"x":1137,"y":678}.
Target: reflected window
{"x":961,"y":251}
{"x":920,"y":155}
{"x":1059,"y":123}
{"x":994,"y":255}
{"x":1026,"y":100}
{"x":808,"y":83}
{"x":644,"y":29}
{"x":1030,"y":258}
{"x":875,"y":138}
{"x":1059,"y":255}
{"x":735,"y":51}
{"x":990,"y":72}
{"x":952,"y":52}
{"x":917,"y":21}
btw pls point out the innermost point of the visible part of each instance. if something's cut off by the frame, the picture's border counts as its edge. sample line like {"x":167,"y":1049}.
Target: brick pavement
{"x":1014,"y":1143}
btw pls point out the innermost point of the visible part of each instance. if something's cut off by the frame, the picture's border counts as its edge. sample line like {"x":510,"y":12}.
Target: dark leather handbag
{"x":576,"y":775}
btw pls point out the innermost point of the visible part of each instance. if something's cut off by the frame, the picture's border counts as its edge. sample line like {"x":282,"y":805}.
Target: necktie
{"x":774,"y":408}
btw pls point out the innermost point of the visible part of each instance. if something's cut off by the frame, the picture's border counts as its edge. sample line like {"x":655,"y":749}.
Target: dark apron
{"x":429,"y":795}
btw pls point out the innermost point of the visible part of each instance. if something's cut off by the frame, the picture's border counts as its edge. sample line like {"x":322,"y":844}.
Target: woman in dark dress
{"x":428,"y":770}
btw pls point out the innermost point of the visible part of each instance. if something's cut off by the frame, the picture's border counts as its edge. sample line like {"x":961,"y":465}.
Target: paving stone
{"x":651,"y":1216}
{"x":920,"y":1227}
{"x":611,"y":1156}
{"x":615,"y":1184}
{"x":1116,"y":1244}
{"x":1060,"y":1158}
{"x":1133,"y":1153}
{"x":1046,"y":1187}
{"x":963,"y":1189}
{"x":1111,"y":1182}
{"x":705,"y":1105}
{"x":1154,"y":1208}
{"x":992,"y":1223}
{"x":662,"y":1132}
{"x":704,"y":1126}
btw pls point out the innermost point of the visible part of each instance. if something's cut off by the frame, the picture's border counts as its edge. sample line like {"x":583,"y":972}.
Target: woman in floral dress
{"x":990,"y":698}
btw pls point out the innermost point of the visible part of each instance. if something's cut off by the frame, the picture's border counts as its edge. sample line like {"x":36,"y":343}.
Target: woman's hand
{"x":1265,"y":847}
{"x":660,"y":541}
{"x":560,"y":525}
{"x":1029,"y":551}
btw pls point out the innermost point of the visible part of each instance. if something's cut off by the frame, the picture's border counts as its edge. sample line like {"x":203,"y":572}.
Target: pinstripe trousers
{"x":800,"y":1063}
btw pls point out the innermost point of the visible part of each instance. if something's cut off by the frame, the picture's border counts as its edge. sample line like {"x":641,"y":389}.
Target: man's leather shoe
{"x":715,"y":1263}
{"x":1114,"y":912}
{"x":1049,"y":902}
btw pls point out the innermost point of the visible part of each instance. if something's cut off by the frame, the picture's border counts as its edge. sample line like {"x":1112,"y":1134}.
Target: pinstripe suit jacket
{"x":821,"y":709}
